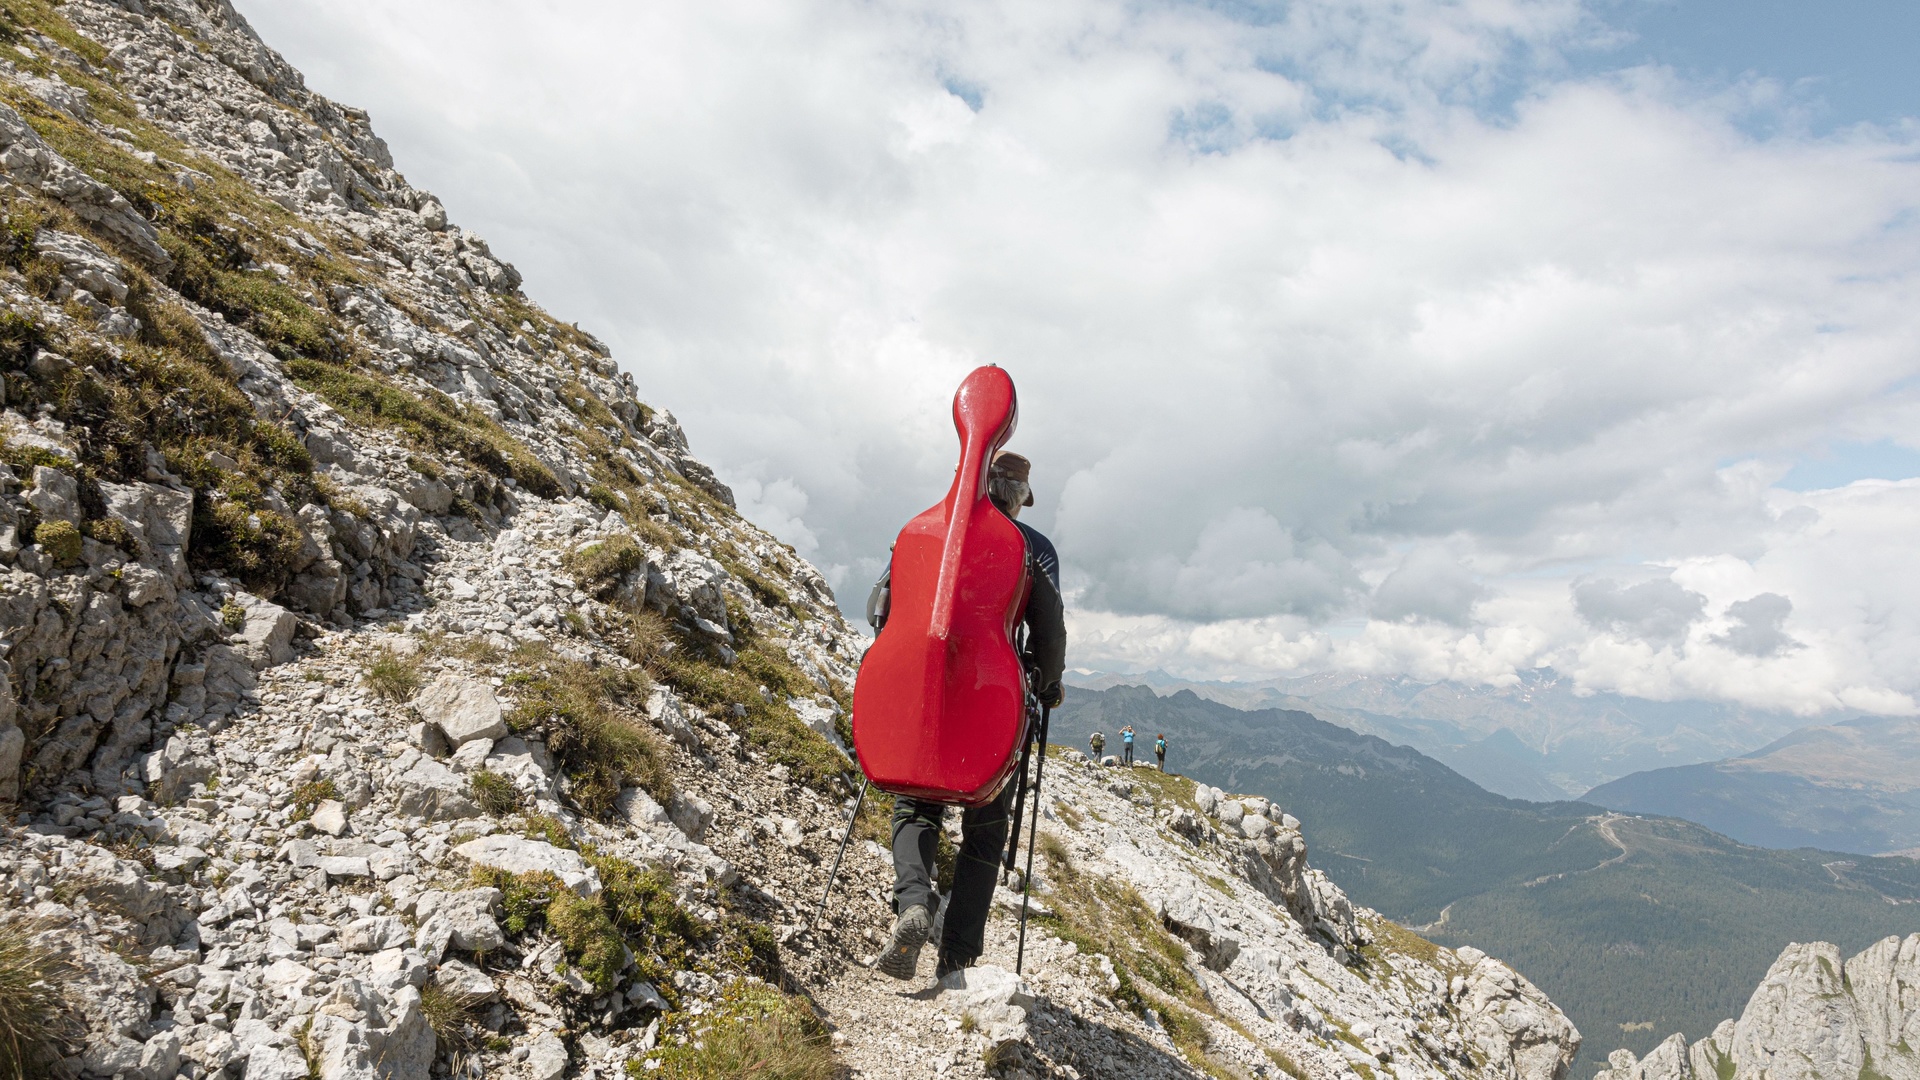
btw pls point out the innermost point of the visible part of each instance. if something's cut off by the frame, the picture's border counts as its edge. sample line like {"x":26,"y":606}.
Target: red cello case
{"x":939,"y":706}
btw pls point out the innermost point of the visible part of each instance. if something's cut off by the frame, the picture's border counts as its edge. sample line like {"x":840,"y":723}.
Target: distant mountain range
{"x":1851,"y":786}
{"x":1636,"y":926}
{"x":1538,"y":739}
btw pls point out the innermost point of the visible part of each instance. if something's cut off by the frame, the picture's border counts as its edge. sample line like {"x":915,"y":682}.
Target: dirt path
{"x":892,"y":1030}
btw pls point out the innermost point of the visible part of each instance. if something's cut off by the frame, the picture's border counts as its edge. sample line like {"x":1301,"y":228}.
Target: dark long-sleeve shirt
{"x":1046,"y":616}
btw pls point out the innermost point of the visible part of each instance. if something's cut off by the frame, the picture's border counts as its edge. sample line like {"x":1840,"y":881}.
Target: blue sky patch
{"x":1840,"y":464}
{"x":1842,"y":62}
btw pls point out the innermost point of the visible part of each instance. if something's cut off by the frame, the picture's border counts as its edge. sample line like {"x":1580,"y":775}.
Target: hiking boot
{"x":901,"y":957}
{"x":947,"y":965}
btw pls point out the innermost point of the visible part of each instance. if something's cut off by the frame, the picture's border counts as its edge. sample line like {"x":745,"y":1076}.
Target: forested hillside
{"x":1636,"y":926}
{"x":1852,"y":786}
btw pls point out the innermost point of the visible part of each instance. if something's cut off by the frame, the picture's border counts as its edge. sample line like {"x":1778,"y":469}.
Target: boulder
{"x":993,"y":998}
{"x":465,"y":982}
{"x":1190,"y":920}
{"x":266,"y":638}
{"x":639,"y":810}
{"x":329,"y":816}
{"x":547,"y":1057}
{"x":375,"y":933}
{"x":692,"y":814}
{"x":432,"y":791}
{"x":174,"y":770}
{"x":393,"y":1043}
{"x":1205,"y":798}
{"x":465,"y":918}
{"x":55,"y":495}
{"x":520,"y":855}
{"x":1511,"y":1023}
{"x":462,"y":708}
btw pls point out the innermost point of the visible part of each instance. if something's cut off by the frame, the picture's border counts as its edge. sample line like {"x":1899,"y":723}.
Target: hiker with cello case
{"x":954,"y":696}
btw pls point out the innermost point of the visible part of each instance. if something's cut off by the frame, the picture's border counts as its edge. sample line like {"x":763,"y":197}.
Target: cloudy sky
{"x":1439,"y":337}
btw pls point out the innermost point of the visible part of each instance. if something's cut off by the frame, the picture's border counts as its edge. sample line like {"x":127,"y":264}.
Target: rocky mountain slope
{"x":390,"y":694}
{"x":1812,"y":1018}
{"x":1852,"y":786}
{"x":1635,"y":926}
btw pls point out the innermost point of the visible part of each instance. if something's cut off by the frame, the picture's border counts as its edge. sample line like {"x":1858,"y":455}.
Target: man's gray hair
{"x":1007,"y":491}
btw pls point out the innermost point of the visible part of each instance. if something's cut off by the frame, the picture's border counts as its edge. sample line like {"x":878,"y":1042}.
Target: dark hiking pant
{"x":1129,"y":753}
{"x":1161,"y":755}
{"x":983,"y":840}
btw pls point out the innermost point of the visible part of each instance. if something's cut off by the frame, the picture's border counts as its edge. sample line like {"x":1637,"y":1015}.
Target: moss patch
{"x":60,"y":540}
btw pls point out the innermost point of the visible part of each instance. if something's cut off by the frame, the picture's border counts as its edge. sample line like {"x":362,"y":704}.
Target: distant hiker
{"x":1099,"y":744}
{"x":1126,"y":743}
{"x":1160,"y":750}
{"x":917,"y":823}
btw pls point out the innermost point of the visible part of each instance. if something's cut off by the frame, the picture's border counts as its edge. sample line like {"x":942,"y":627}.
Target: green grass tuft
{"x":755,"y":1032}
{"x":593,"y":943}
{"x":391,"y":675}
{"x":35,"y":1020}
{"x":309,"y":795}
{"x":430,"y":418}
{"x":597,"y":746}
{"x":768,"y":724}
{"x":600,"y":566}
{"x":635,"y":910}
{"x":495,"y":793}
{"x":451,"y":1017}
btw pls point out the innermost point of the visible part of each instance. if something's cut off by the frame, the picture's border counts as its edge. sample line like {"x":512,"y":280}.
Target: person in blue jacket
{"x":1126,"y":743}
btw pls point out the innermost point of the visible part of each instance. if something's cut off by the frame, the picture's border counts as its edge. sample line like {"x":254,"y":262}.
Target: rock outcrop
{"x":388,"y":692}
{"x":1814,"y":1017}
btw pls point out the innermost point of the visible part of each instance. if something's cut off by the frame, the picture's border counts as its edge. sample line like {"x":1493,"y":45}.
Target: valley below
{"x":1638,"y":926}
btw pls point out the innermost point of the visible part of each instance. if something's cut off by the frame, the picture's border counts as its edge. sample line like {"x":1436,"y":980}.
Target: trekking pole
{"x":1033,"y":828}
{"x":1019,"y":807}
{"x":845,"y":836}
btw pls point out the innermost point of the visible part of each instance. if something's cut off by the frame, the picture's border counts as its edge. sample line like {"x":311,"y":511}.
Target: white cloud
{"x":1428,"y":584}
{"x":1287,"y":298}
{"x":1657,"y":611}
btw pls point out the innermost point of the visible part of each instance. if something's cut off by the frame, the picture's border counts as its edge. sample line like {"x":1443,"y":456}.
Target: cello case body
{"x":939,"y":706}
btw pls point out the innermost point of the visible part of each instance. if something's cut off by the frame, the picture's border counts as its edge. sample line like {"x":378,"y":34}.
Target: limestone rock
{"x":432,"y":791}
{"x":329,"y":816}
{"x":374,"y":933}
{"x":1510,"y":1021}
{"x":637,"y":808}
{"x":995,"y":999}
{"x":1812,"y":1018}
{"x":267,"y":634}
{"x":519,"y":855}
{"x":547,"y":1058}
{"x":462,"y":708}
{"x":692,"y":814}
{"x":465,"y":982}
{"x":465,"y":918}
